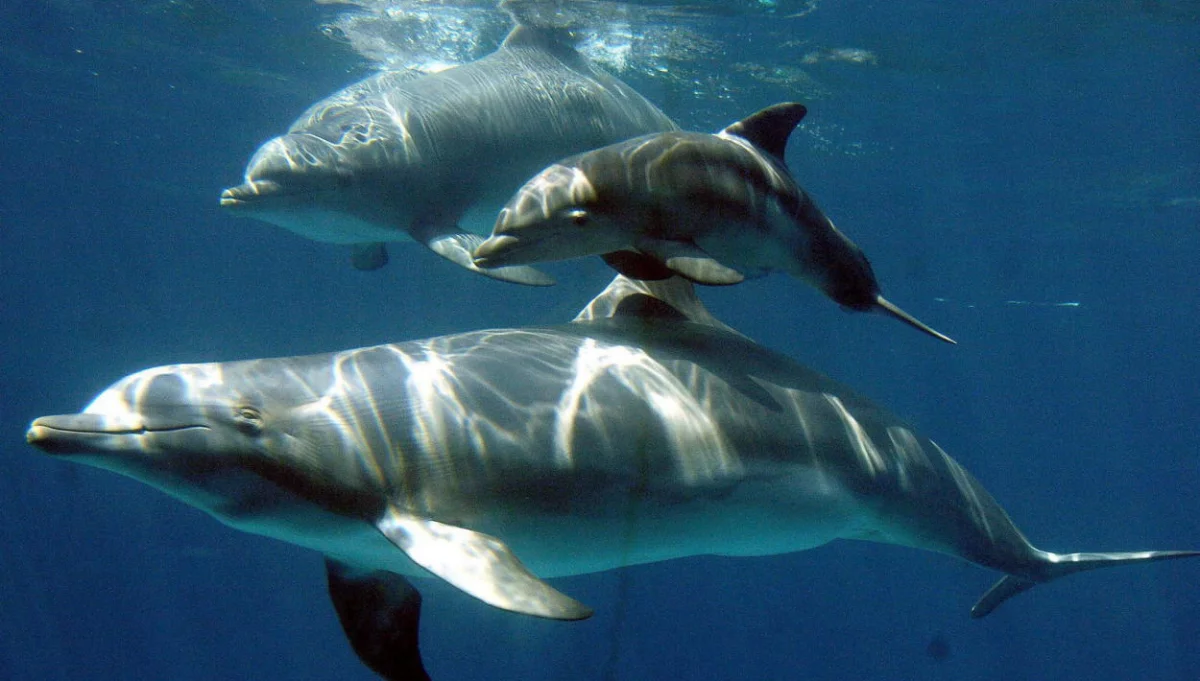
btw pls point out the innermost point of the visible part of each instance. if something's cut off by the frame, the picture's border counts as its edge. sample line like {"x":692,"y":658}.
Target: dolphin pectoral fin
{"x":478,"y":564}
{"x":368,"y":257}
{"x":459,"y":248}
{"x":690,"y":261}
{"x":884,"y":307}
{"x":380,"y":613}
{"x":638,"y":266}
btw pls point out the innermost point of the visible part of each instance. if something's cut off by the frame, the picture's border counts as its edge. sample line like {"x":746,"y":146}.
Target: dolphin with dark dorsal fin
{"x":645,"y":430}
{"x":712,"y":208}
{"x":398,"y":157}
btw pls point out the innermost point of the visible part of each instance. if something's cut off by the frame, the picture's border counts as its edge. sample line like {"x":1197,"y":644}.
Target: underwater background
{"x":1024,"y":175}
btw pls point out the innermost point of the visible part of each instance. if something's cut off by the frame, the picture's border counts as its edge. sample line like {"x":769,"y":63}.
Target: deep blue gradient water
{"x":996,"y":160}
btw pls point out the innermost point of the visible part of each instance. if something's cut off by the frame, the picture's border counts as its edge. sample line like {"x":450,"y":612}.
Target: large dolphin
{"x":644,"y":430}
{"x":713,"y":208}
{"x":397,"y":156}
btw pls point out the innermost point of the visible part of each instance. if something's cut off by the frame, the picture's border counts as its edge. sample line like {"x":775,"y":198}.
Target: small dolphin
{"x":645,"y":430}
{"x":398,"y":156}
{"x":712,"y":208}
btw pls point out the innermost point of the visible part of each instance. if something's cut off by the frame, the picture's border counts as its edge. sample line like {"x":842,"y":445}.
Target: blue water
{"x":996,"y":160}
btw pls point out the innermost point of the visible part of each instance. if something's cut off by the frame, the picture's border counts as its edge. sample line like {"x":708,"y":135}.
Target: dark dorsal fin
{"x":381,"y":614}
{"x":556,"y":42}
{"x":770,"y":128}
{"x":550,"y":39}
{"x":637,"y":265}
{"x":368,"y":257}
{"x":640,"y":305}
{"x":669,"y":299}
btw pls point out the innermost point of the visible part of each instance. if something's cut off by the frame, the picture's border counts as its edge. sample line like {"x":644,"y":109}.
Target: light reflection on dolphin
{"x":399,"y":156}
{"x":643,"y":431}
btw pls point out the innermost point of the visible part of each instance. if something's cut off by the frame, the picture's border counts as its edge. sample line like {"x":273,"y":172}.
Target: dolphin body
{"x":712,"y":208}
{"x":644,"y":430}
{"x":398,"y":156}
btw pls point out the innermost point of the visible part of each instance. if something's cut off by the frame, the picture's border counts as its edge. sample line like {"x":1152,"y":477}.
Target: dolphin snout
{"x":493,"y":251}
{"x":133,"y":415}
{"x":76,"y":433}
{"x":44,"y":428}
{"x":292,"y":165}
{"x":244,"y":194}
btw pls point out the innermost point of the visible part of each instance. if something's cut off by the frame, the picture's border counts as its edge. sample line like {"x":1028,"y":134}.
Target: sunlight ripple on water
{"x":677,"y":46}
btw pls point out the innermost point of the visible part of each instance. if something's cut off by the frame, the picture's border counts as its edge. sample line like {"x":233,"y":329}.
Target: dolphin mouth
{"x":76,"y":433}
{"x":499,"y":251}
{"x":250,"y":192}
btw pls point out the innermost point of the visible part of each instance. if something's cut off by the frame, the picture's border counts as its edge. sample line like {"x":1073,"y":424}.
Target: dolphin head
{"x":318,"y":188}
{"x":286,"y":167}
{"x":560,"y":214}
{"x":227,"y":438}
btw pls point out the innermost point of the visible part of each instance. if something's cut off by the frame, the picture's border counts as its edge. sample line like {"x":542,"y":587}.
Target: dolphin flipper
{"x":368,"y":257}
{"x":690,"y":261}
{"x":479,"y":564}
{"x":459,"y":248}
{"x":380,"y":613}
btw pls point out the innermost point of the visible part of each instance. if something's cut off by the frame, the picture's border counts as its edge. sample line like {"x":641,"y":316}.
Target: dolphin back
{"x":536,"y":89}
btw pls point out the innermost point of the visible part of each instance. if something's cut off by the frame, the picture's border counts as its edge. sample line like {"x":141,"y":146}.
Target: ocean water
{"x":1024,"y":175}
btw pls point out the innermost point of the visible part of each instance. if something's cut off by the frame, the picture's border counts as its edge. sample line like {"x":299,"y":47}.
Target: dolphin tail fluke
{"x":380,"y":613}
{"x":1055,"y":565}
{"x":460,"y":249}
{"x":885,"y":307}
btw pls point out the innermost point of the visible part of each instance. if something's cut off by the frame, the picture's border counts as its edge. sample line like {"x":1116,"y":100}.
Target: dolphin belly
{"x":332,"y":226}
{"x":789,"y":512}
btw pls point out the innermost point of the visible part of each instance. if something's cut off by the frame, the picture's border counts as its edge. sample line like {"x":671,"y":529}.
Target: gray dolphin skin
{"x":712,"y":208}
{"x":398,"y":156}
{"x":644,"y":430}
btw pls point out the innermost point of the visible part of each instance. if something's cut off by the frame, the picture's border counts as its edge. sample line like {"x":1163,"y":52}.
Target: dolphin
{"x":397,"y":157}
{"x":642,"y":431}
{"x":712,"y":208}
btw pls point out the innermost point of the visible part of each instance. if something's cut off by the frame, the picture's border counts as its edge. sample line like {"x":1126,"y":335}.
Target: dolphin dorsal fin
{"x":549,"y":39}
{"x":770,"y":128}
{"x":667,"y":299}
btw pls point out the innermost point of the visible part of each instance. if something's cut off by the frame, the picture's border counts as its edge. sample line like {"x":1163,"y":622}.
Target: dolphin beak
{"x":492,"y":252}
{"x":78,"y":433}
{"x":245,"y":194}
{"x":85,"y":433}
{"x":232,"y":197}
{"x":884,"y":307}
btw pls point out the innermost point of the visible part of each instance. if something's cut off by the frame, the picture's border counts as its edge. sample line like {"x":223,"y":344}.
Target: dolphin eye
{"x":578,"y":217}
{"x":248,"y":420}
